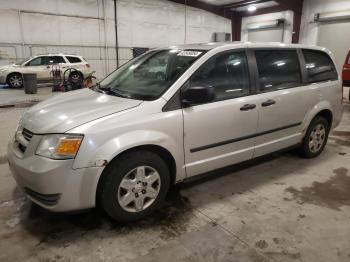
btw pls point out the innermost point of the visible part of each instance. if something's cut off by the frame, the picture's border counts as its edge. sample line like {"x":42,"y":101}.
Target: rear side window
{"x":319,"y":66}
{"x":278,"y":69}
{"x":73,"y":59}
{"x":56,"y":60}
{"x":227,"y":73}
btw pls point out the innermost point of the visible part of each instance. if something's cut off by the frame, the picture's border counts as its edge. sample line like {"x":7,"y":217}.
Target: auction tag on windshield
{"x":189,"y":53}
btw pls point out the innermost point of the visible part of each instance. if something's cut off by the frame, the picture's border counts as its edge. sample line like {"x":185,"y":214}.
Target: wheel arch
{"x":327,"y":114}
{"x":162,"y":152}
{"x":323,"y":109}
{"x":78,"y":72}
{"x":12,"y":73}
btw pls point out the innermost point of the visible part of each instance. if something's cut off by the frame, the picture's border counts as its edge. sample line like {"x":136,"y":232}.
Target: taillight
{"x":87,"y":65}
{"x":342,"y":92}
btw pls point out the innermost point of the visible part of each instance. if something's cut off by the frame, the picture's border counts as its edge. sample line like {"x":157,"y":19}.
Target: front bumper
{"x":2,"y":79}
{"x":54,"y":184}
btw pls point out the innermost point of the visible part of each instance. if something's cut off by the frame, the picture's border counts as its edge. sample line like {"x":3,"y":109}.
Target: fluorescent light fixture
{"x":332,"y":16}
{"x":265,"y":24}
{"x":252,"y":8}
{"x":281,"y":64}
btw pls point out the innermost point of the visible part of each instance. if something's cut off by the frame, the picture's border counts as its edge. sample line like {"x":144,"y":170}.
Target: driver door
{"x":221,"y":132}
{"x":39,"y":66}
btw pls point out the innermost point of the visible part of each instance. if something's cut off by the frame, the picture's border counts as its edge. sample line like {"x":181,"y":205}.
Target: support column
{"x":296,"y":27}
{"x":236,"y":25}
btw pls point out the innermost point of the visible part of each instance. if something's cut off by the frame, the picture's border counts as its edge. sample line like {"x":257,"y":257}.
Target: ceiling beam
{"x":218,"y":10}
{"x":243,"y":3}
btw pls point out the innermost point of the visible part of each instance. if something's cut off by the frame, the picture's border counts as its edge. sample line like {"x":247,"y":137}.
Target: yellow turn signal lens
{"x":68,"y":146}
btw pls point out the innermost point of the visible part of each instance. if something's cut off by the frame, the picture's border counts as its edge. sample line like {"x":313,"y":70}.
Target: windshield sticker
{"x":189,"y":53}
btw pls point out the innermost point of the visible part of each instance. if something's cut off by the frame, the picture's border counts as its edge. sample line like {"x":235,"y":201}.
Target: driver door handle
{"x":247,"y":107}
{"x":268,"y":103}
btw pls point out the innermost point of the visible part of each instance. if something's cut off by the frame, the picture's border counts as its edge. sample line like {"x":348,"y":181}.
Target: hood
{"x":6,"y":67}
{"x":66,"y":111}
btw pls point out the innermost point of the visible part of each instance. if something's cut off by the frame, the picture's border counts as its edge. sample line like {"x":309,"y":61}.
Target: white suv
{"x":122,"y":144}
{"x":42,"y":65}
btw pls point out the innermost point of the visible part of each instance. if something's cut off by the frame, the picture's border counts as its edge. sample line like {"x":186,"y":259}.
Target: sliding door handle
{"x":268,"y":103}
{"x":247,"y":107}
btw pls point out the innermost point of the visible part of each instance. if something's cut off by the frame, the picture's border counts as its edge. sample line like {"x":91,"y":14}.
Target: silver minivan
{"x":123,"y":143}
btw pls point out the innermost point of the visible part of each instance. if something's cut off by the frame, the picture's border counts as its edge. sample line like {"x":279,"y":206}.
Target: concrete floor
{"x":10,"y":96}
{"x":280,"y":208}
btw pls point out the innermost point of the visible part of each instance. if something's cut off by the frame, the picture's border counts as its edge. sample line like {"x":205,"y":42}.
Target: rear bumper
{"x":346,"y":83}
{"x":53,"y":184}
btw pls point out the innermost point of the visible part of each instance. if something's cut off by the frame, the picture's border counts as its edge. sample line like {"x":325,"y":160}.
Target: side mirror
{"x":197,"y":95}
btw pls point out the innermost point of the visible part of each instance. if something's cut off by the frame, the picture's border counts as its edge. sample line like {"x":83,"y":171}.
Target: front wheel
{"x":134,"y":185}
{"x":315,"y":138}
{"x":15,"y":80}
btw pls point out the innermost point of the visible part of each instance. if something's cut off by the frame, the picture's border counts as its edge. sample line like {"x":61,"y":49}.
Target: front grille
{"x":46,"y":199}
{"x":27,"y":134}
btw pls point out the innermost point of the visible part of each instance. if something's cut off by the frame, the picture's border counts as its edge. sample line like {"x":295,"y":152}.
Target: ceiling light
{"x":252,"y":8}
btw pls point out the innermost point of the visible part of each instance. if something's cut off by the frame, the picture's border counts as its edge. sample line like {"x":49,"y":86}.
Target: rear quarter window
{"x":319,"y":66}
{"x":73,"y":59}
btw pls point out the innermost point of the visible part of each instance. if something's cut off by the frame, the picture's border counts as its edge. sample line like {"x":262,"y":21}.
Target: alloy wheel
{"x":317,"y":138}
{"x":139,"y":188}
{"x":16,"y":81}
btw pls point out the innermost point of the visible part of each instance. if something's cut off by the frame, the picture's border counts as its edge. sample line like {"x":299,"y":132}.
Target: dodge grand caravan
{"x":123,"y":143}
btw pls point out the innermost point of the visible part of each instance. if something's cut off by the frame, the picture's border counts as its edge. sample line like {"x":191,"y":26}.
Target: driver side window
{"x":227,"y":73}
{"x":39,"y":61}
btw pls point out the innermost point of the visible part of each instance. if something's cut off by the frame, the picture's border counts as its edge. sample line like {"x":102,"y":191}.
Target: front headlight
{"x":59,"y":146}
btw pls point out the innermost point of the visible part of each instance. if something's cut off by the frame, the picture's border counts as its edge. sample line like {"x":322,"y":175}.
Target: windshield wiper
{"x":109,"y":90}
{"x":117,"y":93}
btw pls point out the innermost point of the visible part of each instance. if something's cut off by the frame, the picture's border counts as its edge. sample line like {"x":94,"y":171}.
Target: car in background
{"x":42,"y":66}
{"x":346,"y":72}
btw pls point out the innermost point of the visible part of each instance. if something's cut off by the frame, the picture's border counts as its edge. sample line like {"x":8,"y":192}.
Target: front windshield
{"x":22,"y":61}
{"x":149,"y":76}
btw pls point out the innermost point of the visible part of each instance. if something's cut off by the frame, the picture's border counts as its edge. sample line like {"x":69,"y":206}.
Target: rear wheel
{"x":315,"y":138}
{"x":76,"y":77}
{"x":134,"y":185}
{"x":15,"y":80}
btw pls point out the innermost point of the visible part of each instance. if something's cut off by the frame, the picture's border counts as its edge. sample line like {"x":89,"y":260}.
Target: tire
{"x":76,"y":77}
{"x":15,"y":80}
{"x":120,"y":192}
{"x":315,"y":138}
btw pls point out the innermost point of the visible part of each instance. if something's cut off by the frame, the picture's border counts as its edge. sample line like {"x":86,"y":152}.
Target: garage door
{"x":266,"y":35}
{"x":336,"y":37}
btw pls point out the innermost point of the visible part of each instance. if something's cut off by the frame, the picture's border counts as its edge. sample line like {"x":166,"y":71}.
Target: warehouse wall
{"x":86,"y":27}
{"x":287,"y":15}
{"x":309,"y":29}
